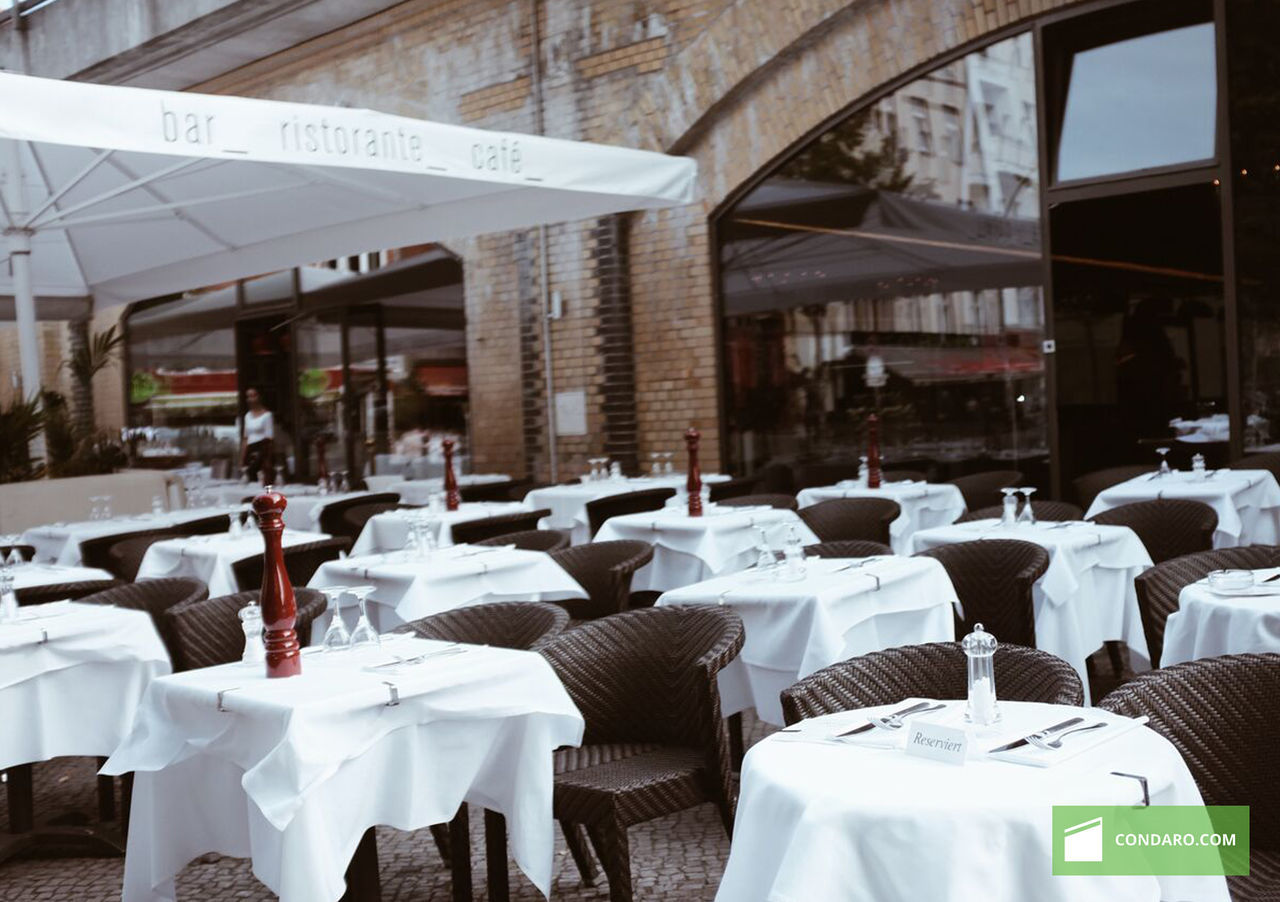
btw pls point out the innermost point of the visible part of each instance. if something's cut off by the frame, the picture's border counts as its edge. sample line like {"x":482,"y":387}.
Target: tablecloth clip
{"x":393,"y":692}
{"x":876,"y":578}
{"x":653,"y":525}
{"x":484,"y":567}
{"x":221,"y":693}
{"x":1160,"y":495}
{"x":1146,"y":793}
{"x":44,"y":636}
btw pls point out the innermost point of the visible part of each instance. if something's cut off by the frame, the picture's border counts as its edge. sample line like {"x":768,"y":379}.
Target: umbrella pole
{"x":24,"y":304}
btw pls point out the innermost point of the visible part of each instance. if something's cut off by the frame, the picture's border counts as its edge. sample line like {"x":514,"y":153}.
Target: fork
{"x":1041,"y":742}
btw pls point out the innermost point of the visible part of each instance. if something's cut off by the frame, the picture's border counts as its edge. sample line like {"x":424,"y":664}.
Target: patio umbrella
{"x":115,"y":193}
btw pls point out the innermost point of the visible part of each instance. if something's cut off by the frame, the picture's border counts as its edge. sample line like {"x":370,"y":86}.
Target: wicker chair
{"x":848,"y":519}
{"x":488,"y":491}
{"x":206,"y":526}
{"x":776,"y":478}
{"x":645,"y":682}
{"x":1048,"y":511}
{"x":604,"y":570}
{"x":993,"y":581}
{"x":125,"y":556}
{"x":1159,"y":587}
{"x":601,"y":509}
{"x":937,"y":670}
{"x":1168,"y":528}
{"x":855,"y":548}
{"x":1220,"y":714}
{"x":1090,"y":485}
{"x":96,"y":552}
{"x":470,"y":531}
{"x":58,"y":591}
{"x":531,"y":540}
{"x":356,"y":516}
{"x":734,"y":488}
{"x":983,"y":489}
{"x":781,"y":502}
{"x":300,"y":561}
{"x":1268,"y":461}
{"x":522,"y":625}
{"x":208,"y":632}
{"x":332,"y":520}
{"x":155,"y":596}
{"x":904,"y":476}
{"x":28,"y":552}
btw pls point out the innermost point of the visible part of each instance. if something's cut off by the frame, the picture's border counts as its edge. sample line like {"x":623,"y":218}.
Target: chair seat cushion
{"x":627,"y":782}
{"x":1262,"y":884}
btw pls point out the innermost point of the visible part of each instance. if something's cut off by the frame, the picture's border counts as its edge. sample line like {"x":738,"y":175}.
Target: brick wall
{"x":732,"y":83}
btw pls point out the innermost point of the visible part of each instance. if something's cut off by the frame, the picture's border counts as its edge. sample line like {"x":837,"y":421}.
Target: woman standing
{"x":256,"y":436}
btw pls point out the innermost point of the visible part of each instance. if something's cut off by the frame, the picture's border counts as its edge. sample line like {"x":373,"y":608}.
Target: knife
{"x":905,"y":711}
{"x":1056,"y":728}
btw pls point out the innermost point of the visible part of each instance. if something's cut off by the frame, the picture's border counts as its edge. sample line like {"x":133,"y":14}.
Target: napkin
{"x":826,"y":730}
{"x":1072,"y":746}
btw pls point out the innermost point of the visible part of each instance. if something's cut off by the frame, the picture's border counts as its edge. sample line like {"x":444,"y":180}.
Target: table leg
{"x":106,"y":796}
{"x":495,"y":855}
{"x":736,"y":741}
{"x":363,"y":881}
{"x":460,"y":854}
{"x":24,"y":837}
{"x":21,"y":799}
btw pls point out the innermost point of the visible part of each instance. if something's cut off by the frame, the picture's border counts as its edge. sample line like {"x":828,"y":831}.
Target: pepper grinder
{"x":279,"y":610}
{"x":693,"y":485}
{"x":451,"y":498}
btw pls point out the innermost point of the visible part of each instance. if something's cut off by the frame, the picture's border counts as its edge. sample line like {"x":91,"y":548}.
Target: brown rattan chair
{"x":601,"y":509}
{"x":993,"y":581}
{"x":205,"y":526}
{"x":1266,"y":461}
{"x":208,"y":632}
{"x":357,"y":516}
{"x":155,"y":596}
{"x":1158,"y":588}
{"x":734,"y":488}
{"x":522,"y":625}
{"x":983,"y":489}
{"x":1090,"y":485}
{"x":332,"y":518}
{"x":781,"y":502}
{"x":28,"y":552}
{"x":125,"y":556}
{"x":1047,"y":511}
{"x":855,"y":548}
{"x":1220,"y":714}
{"x":300,"y":561}
{"x":490,"y":491}
{"x":470,"y":531}
{"x":59,"y":591}
{"x":604,"y":570}
{"x":645,"y":682}
{"x":531,"y":540}
{"x":937,"y":670}
{"x":96,"y":552}
{"x":1168,"y":528}
{"x":848,"y":519}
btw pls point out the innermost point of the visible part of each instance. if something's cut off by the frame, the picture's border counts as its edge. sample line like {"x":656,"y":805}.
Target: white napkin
{"x":1072,"y":746}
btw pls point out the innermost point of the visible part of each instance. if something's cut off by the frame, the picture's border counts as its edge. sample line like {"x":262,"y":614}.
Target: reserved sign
{"x":937,"y":741}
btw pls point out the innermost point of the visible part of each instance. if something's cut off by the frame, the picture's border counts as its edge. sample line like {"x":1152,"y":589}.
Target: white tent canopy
{"x":118,"y":193}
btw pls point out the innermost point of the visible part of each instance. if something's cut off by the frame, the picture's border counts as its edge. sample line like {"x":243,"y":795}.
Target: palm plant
{"x":91,"y":356}
{"x":20,"y":423}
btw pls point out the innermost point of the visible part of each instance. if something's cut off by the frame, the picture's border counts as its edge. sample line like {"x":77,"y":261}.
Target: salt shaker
{"x":251,"y":623}
{"x":1197,"y":465}
{"x":980,"y":648}
{"x":793,"y":554}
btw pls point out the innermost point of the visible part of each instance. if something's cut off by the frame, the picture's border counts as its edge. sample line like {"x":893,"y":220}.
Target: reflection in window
{"x":1136,"y":104}
{"x":864,"y":251}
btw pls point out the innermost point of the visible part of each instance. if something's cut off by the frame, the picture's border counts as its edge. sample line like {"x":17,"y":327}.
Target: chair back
{"x":733,"y":488}
{"x":207,"y":633}
{"x":1090,"y":485}
{"x":1048,"y":511}
{"x":300,"y":561}
{"x":781,"y":502}
{"x":778,"y":478}
{"x":58,"y":591}
{"x":28,"y":552}
{"x":522,"y":625}
{"x":471,"y":531}
{"x":333,"y":521}
{"x":604,"y":570}
{"x":983,"y":489}
{"x":847,"y":519}
{"x":854,"y":548}
{"x":357,"y":516}
{"x":822,"y":473}
{"x":1269,"y":460}
{"x":531,"y":540}
{"x":601,"y":509}
{"x":495,"y":491}
{"x":1168,"y":528}
{"x":96,"y":552}
{"x":993,"y":580}
{"x":937,"y":670}
{"x":155,"y":596}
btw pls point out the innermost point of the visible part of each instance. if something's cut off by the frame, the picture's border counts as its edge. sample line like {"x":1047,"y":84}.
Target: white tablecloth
{"x":71,"y":678}
{"x":820,"y":821}
{"x":1207,"y":624}
{"x":1215,"y":428}
{"x":233,"y":493}
{"x":1086,"y":597}
{"x":30,"y":575}
{"x":303,"y":511}
{"x":389,"y":531}
{"x":840,"y":609}
{"x":923,"y":505}
{"x":568,"y":503}
{"x":59,"y":543}
{"x":688,"y":550}
{"x":209,"y":558}
{"x":458,"y":576}
{"x":419,"y":491}
{"x":1247,"y":501}
{"x":295,"y":770}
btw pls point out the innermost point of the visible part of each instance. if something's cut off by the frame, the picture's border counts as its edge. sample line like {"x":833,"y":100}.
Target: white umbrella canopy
{"x":118,"y":193}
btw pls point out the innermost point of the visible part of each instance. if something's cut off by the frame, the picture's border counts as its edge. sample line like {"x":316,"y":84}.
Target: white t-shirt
{"x":258,"y":428}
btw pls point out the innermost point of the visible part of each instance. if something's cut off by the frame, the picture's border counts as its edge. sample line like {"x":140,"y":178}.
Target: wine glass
{"x":668,"y":467}
{"x":364,"y":633}
{"x":336,"y":636}
{"x":1164,"y":461}
{"x":1009,"y":514}
{"x":655,"y":465}
{"x":1027,"y":516}
{"x":766,"y":560}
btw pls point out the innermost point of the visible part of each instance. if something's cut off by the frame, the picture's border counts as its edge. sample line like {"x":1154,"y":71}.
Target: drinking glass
{"x":655,"y":465}
{"x":668,"y":467}
{"x":435,"y":504}
{"x":157,"y":505}
{"x":1164,"y":461}
{"x":336,"y":636}
{"x":279,"y":474}
{"x":1009,"y":514}
{"x":766,"y":560}
{"x":343,"y":484}
{"x":1027,"y":516}
{"x":364,"y":633}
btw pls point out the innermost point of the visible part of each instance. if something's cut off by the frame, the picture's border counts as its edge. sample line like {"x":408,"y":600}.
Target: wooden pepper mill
{"x":322,"y":465}
{"x":279,"y":611}
{"x":693,"y":486}
{"x":873,"y":452}
{"x":451,"y":498}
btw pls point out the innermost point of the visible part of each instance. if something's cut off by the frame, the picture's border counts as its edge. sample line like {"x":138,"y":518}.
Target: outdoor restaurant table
{"x":31,"y":575}
{"x":71,"y":678}
{"x":408,"y":587}
{"x":389,"y":531}
{"x":842,"y":608}
{"x":59,"y":543}
{"x":923,"y":505}
{"x":820,"y":819}
{"x":1209,"y":623}
{"x":1086,"y":596}
{"x":688,"y":550}
{"x":1247,"y":501}
{"x":209,"y":558}
{"x":292,"y":772}
{"x":568,"y":503}
{"x":419,"y":491}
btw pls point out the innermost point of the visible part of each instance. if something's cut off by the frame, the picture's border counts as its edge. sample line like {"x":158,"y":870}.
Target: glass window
{"x":1140,"y":103}
{"x":860,"y":277}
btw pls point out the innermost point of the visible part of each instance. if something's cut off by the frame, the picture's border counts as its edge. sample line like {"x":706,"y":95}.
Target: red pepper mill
{"x":322,"y":466}
{"x":873,"y":452}
{"x":694,"y":484}
{"x":450,"y":481}
{"x":279,"y":612}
